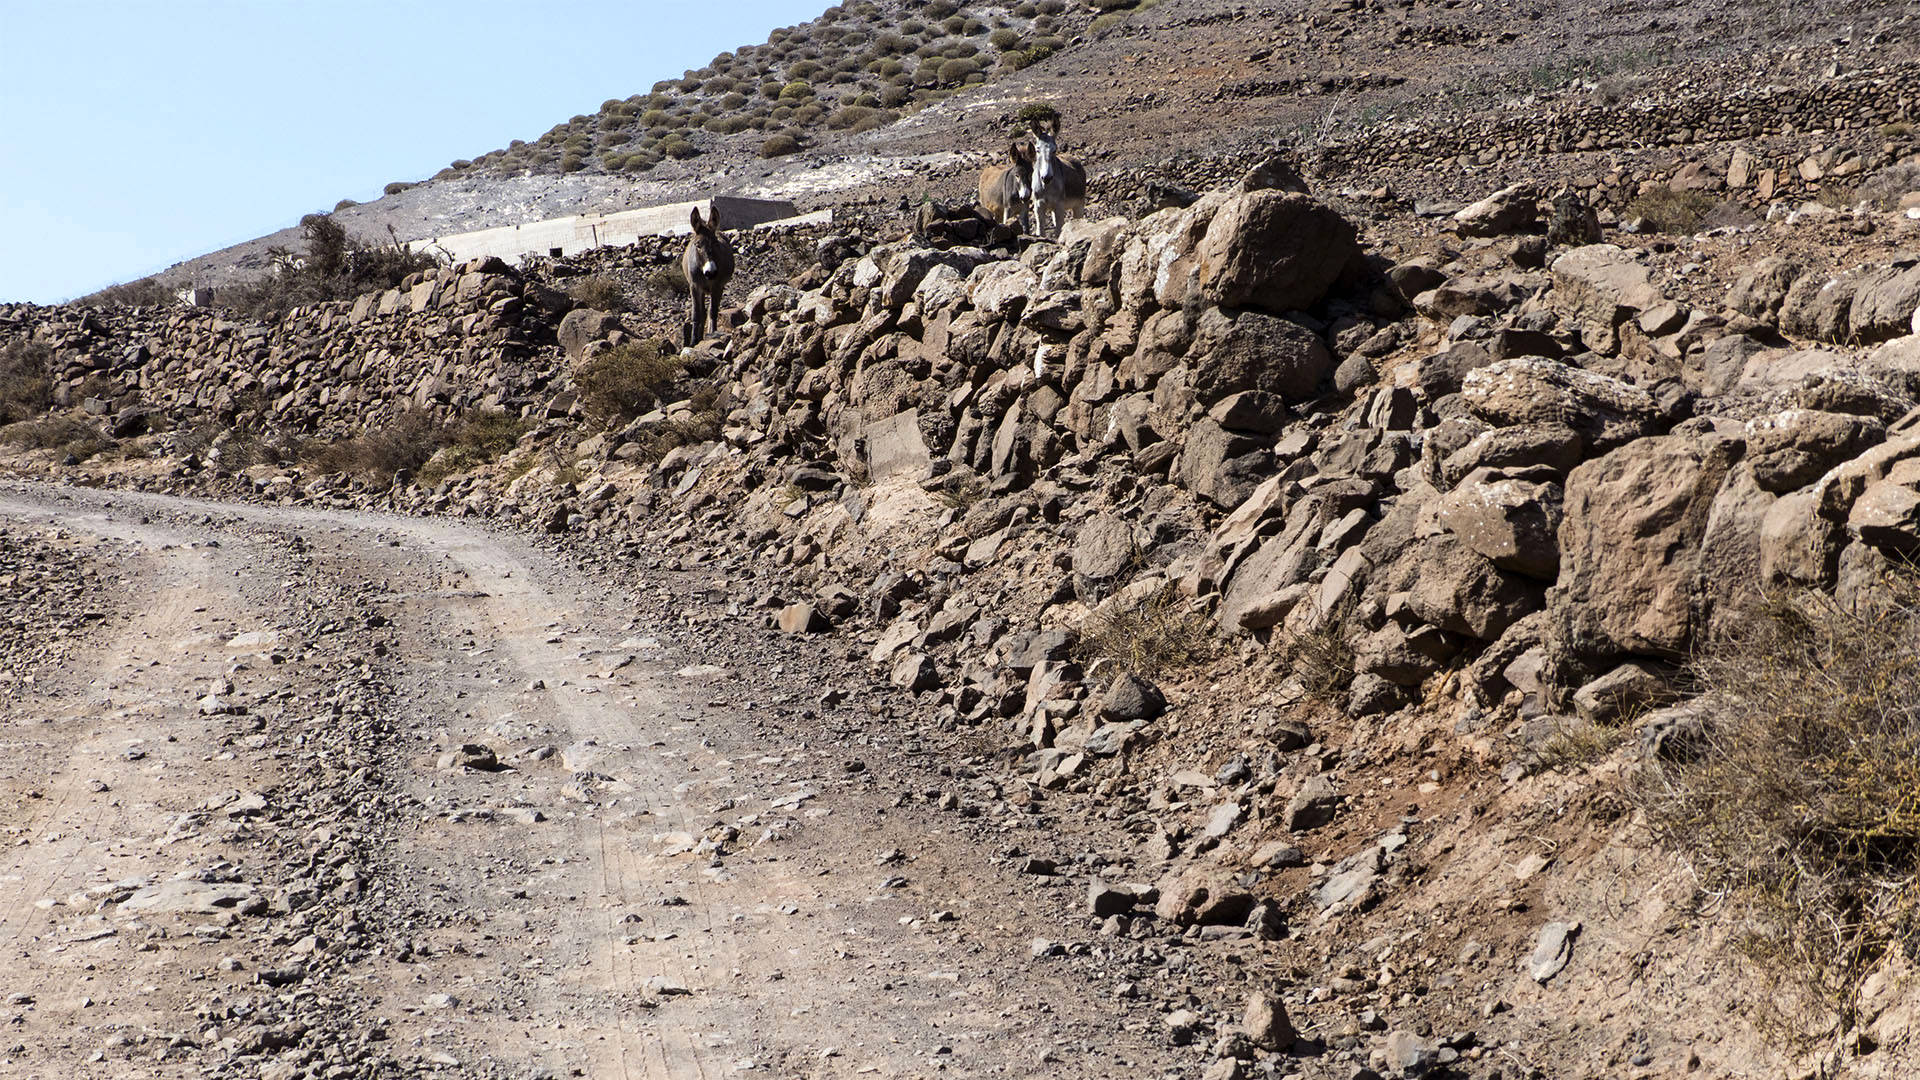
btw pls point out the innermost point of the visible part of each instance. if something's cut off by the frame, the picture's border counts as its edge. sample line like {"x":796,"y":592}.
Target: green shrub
{"x":623,"y":382}
{"x":1004,"y":38}
{"x":851,"y":115}
{"x":953,"y":72}
{"x":796,"y":91}
{"x":678,"y":148}
{"x":1036,"y":113}
{"x":1797,"y":794}
{"x":395,"y":188}
{"x":779,"y":146}
{"x":1026,"y":58}
{"x":26,"y":383}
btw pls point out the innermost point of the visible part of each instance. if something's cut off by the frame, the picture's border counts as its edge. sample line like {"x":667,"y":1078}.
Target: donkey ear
{"x":697,"y":223}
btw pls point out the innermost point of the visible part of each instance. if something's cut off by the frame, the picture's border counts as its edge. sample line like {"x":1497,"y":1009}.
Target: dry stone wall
{"x":474,"y":336}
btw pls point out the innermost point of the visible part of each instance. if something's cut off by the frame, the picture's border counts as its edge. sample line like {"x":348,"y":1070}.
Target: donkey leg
{"x":691,"y":335}
{"x":713,"y":308}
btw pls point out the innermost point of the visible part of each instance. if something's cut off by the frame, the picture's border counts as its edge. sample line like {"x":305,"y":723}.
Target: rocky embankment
{"x":1305,"y":562}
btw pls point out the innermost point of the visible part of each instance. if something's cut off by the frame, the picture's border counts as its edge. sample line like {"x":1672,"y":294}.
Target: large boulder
{"x":1276,"y":250}
{"x":1791,"y":449}
{"x":1234,"y":351}
{"x":1798,"y":546}
{"x":1511,"y":518}
{"x":1453,"y":587}
{"x":1763,"y":288}
{"x":1630,"y":546}
{"x":1512,"y":209}
{"x":1819,"y":307}
{"x":1887,"y":513}
{"x":1606,"y":412}
{"x":1885,"y":302}
{"x":582,"y":327}
{"x":1600,"y":286}
{"x":1221,"y":465}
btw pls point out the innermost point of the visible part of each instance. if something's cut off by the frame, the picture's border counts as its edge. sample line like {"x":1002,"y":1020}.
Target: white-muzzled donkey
{"x":708,"y":264}
{"x":1059,"y":182}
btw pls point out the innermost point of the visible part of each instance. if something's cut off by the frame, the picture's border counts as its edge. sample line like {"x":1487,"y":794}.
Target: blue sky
{"x":137,"y":134}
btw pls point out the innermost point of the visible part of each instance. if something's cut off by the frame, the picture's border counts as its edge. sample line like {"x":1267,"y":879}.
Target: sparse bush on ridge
{"x":145,"y":292}
{"x":334,"y":267}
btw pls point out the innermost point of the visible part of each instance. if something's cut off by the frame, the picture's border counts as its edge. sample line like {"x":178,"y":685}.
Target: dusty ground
{"x":231,"y":851}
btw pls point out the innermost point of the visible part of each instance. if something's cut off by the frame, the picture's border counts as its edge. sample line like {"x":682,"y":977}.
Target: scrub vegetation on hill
{"x":856,"y":68}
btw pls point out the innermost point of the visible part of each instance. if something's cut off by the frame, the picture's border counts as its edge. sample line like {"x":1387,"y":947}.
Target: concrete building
{"x":583,"y":232}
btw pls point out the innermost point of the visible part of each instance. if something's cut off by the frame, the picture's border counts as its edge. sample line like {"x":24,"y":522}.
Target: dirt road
{"x":242,"y":837}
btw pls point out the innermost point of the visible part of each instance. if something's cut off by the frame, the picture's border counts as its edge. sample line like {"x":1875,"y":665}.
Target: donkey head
{"x":1045,"y":150}
{"x":1022,"y":167}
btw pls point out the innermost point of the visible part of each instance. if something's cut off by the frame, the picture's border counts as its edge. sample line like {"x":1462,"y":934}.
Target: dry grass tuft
{"x":600,"y":292}
{"x":1162,"y":634}
{"x":623,"y":382}
{"x":63,"y":433}
{"x":1321,"y":659}
{"x":1800,"y":798}
{"x":25,"y":386}
{"x":1669,"y":211}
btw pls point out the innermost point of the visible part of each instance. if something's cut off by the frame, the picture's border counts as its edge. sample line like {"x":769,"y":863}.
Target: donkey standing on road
{"x":1059,"y":183}
{"x":1004,"y":190}
{"x":708,"y":264}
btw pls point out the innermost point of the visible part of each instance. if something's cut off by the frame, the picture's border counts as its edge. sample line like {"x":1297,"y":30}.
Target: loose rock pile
{"x":1501,"y":492}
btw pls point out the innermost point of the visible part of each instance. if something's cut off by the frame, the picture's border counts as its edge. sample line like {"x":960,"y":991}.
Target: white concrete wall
{"x":583,"y":232}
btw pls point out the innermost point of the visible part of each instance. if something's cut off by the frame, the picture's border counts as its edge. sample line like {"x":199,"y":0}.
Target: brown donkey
{"x":708,"y":264}
{"x":1004,"y":193}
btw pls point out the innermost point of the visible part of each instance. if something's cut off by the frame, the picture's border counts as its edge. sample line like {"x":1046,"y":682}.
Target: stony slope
{"x":1349,"y":584}
{"x":1167,"y":92}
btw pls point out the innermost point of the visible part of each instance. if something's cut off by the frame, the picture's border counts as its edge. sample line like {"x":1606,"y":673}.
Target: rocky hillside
{"x":1418,"y":102}
{"x":1380,"y":574}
